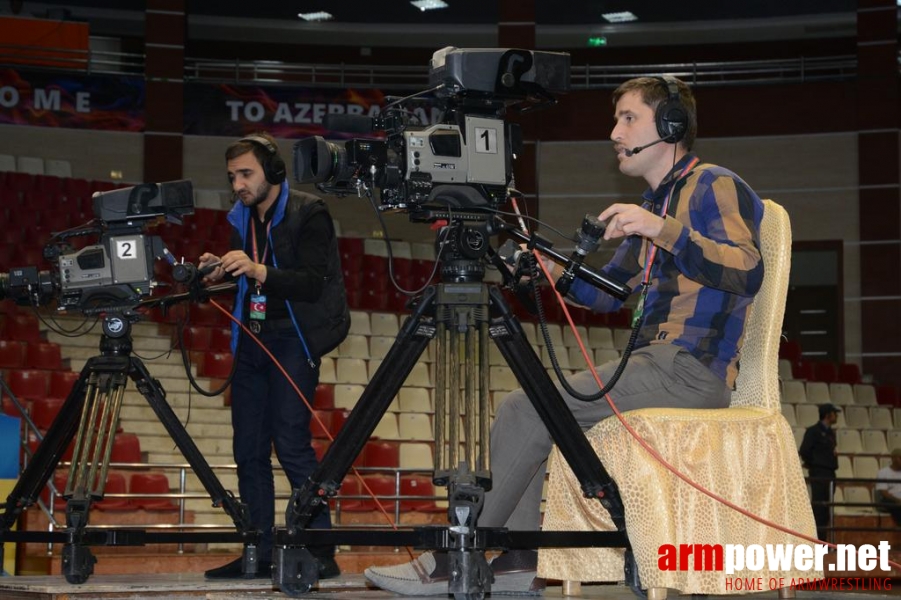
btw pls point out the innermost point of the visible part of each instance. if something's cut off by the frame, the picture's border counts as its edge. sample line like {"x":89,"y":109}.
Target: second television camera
{"x":117,"y":271}
{"x":463,"y":162}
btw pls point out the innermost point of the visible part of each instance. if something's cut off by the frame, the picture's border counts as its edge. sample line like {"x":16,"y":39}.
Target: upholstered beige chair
{"x":745,"y":453}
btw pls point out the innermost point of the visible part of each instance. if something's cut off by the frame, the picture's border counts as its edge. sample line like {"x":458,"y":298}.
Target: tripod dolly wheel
{"x":464,"y":596}
{"x":78,"y":563}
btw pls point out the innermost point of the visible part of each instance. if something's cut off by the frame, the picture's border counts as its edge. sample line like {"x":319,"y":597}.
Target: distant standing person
{"x":819,"y":455}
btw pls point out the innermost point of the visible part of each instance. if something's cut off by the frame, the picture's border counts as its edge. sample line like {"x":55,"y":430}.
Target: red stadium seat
{"x":827,"y":372}
{"x":804,"y":369}
{"x":43,"y":355}
{"x":418,"y":485}
{"x":217,"y":365}
{"x":325,"y":397}
{"x":12,"y":354}
{"x":126,"y":449}
{"x":207,"y":314}
{"x":44,"y":411}
{"x":220,"y":339}
{"x":29,"y":383}
{"x":23,"y":327}
{"x":115,"y":484}
{"x":73,"y":186}
{"x":349,"y":247}
{"x":56,"y":220}
{"x":151,"y":483}
{"x":849,"y":373}
{"x":887,"y":395}
{"x":196,"y":337}
{"x":10,"y":408}
{"x":320,"y":424}
{"x":61,"y":383}
{"x":60,"y":478}
{"x":379,"y":485}
{"x":20,"y":182}
{"x":320,"y":447}
{"x":381,"y":454}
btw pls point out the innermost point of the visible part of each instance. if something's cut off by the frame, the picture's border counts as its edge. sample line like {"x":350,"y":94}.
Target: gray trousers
{"x":660,"y":375}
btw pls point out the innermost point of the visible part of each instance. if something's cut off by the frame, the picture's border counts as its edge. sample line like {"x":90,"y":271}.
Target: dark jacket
{"x":321,"y":319}
{"x":818,"y":447}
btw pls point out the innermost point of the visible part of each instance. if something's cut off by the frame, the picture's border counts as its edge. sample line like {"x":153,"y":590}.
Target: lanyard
{"x":253,"y":235}
{"x":651,"y":251}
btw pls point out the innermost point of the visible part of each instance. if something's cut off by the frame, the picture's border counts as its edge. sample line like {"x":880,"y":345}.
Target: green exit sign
{"x":597,"y":42}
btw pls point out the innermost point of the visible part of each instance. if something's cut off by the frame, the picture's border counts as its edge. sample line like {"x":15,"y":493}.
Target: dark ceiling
{"x":559,"y":12}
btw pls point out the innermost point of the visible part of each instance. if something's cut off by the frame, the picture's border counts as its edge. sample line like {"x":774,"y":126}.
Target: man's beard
{"x":260,"y":196}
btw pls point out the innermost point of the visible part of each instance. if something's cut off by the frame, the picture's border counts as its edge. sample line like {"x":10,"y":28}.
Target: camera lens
{"x":317,"y":160}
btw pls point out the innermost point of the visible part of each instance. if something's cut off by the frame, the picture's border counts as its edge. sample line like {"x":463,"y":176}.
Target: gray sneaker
{"x":428,"y":576}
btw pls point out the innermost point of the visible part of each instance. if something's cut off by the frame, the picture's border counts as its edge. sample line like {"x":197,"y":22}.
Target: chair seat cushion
{"x":747,"y":455}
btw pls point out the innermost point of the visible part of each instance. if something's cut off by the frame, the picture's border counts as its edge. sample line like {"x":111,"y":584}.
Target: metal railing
{"x":792,"y":70}
{"x":89,"y":62}
{"x":397,"y":77}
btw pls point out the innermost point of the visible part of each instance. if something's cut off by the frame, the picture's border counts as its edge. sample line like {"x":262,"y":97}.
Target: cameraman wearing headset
{"x":284,"y":257}
{"x":697,"y":230}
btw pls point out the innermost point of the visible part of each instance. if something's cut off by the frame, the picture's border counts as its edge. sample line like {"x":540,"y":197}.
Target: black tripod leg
{"x":47,"y":455}
{"x":156,"y":398}
{"x":556,"y":416}
{"x":291,"y":572}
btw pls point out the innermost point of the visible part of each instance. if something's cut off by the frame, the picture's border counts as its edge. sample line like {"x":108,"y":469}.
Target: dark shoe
{"x":233,"y":570}
{"x":515,"y":573}
{"x":328,"y":568}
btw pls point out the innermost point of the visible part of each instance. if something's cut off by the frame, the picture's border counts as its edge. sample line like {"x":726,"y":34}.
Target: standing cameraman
{"x":698,"y":230}
{"x":285,"y":260}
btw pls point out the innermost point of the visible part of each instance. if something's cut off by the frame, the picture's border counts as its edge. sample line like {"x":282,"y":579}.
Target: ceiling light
{"x":425,"y":5}
{"x":619,"y":17}
{"x":316,"y":16}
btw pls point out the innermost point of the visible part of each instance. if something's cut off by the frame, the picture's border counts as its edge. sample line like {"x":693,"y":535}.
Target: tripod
{"x":90,"y":415}
{"x":462,"y":314}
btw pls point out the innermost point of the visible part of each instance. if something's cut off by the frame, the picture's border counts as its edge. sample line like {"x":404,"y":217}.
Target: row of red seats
{"x":29,"y":355}
{"x":19,"y":323}
{"x":825,"y":371}
{"x":67,"y":186}
{"x":39,"y":383}
{"x":416,"y":491}
{"x":144,"y":483}
{"x":831,"y":372}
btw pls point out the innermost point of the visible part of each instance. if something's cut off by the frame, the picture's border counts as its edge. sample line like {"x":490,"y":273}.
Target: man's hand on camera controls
{"x":206,"y":260}
{"x":630,"y":219}
{"x":238,"y":263}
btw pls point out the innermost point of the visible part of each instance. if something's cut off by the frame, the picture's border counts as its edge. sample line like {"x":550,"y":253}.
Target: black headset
{"x":273,"y":164}
{"x":671,"y":116}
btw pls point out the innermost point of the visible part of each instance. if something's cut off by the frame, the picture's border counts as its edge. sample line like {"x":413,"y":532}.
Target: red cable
{"x":312,"y":412}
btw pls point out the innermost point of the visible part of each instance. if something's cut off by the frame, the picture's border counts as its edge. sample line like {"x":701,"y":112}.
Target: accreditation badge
{"x":257,"y":307}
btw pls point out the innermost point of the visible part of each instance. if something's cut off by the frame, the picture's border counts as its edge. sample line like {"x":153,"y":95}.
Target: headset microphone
{"x":638,"y":149}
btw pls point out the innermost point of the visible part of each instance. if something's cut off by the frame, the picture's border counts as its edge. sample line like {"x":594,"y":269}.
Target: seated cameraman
{"x":290,"y":294}
{"x":698,"y":230}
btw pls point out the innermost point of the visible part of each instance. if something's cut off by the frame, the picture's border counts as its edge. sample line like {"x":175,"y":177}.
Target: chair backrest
{"x":758,"y":379}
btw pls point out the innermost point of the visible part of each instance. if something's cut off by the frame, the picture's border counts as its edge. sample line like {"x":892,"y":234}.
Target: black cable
{"x":627,"y":351}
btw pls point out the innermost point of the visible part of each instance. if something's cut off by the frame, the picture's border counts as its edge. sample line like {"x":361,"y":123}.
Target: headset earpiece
{"x":671,"y":116}
{"x":274,"y":165}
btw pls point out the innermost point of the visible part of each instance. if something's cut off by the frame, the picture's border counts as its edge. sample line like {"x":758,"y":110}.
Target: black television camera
{"x":464,"y":162}
{"x":117,"y":271}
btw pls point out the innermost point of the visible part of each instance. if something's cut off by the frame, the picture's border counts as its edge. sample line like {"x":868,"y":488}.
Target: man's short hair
{"x":242,"y":147}
{"x":653,"y":91}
